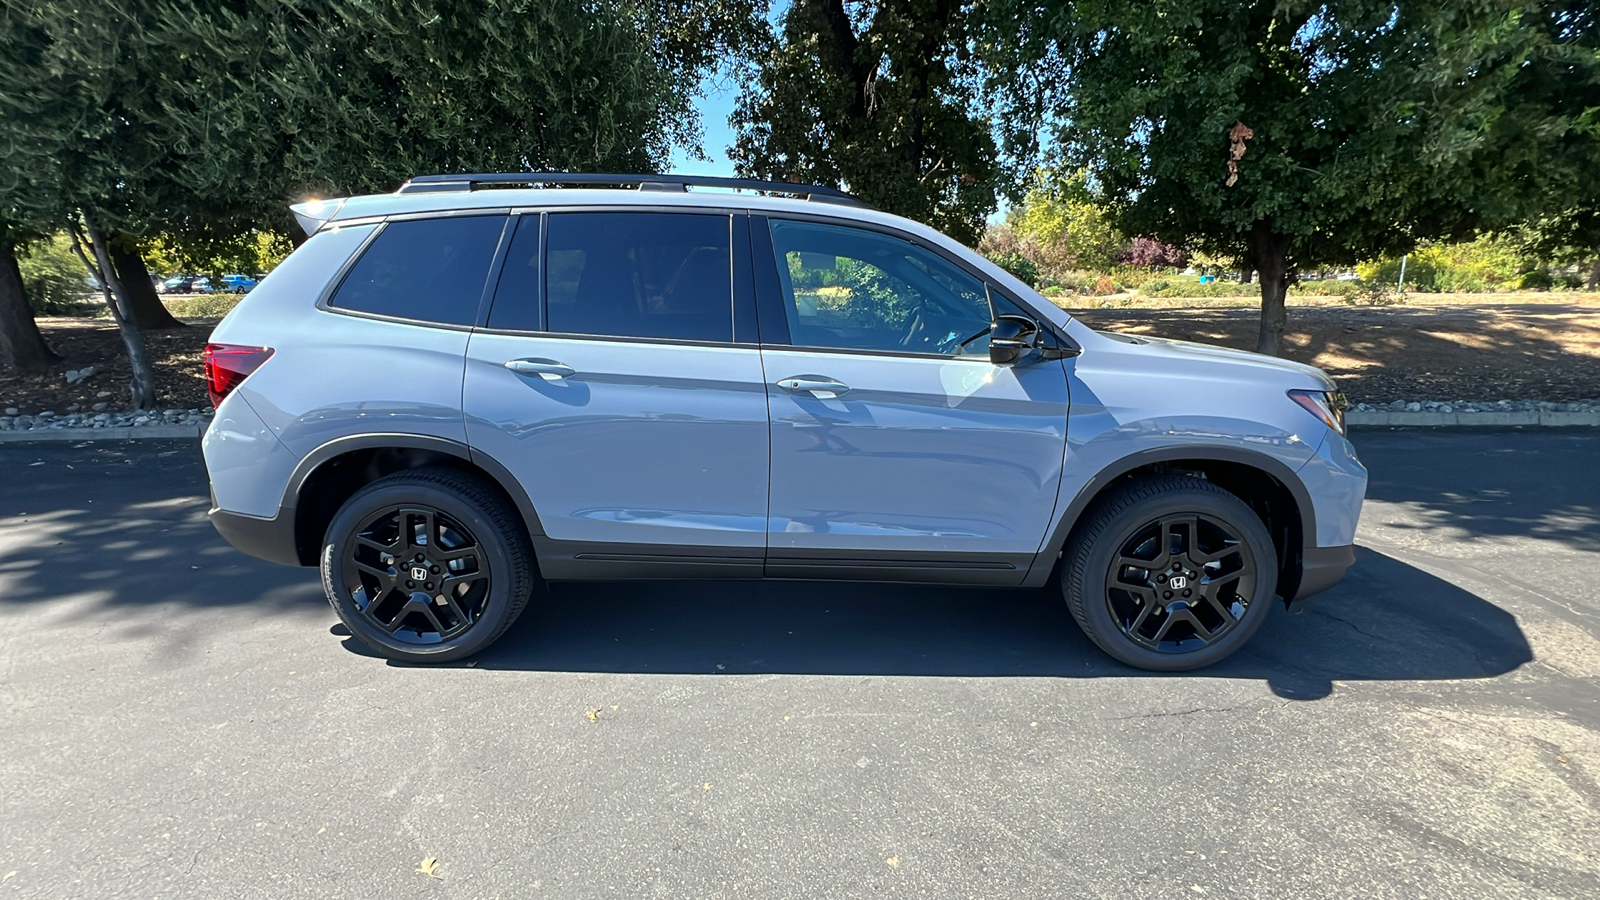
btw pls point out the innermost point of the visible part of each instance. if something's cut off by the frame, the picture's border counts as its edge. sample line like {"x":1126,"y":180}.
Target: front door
{"x":620,"y":400}
{"x":896,"y":444}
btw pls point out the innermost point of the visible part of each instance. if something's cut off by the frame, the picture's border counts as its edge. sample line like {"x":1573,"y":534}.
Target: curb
{"x":1542,"y":418}
{"x":124,"y":433}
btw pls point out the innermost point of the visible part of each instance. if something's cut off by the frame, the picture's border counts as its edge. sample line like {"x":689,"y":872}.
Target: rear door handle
{"x":821,"y":388}
{"x":548,"y":369}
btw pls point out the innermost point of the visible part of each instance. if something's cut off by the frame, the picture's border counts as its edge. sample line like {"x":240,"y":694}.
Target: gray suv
{"x":451,"y":394}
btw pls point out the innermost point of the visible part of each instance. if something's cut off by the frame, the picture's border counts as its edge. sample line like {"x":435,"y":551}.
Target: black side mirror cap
{"x":1012,"y":339}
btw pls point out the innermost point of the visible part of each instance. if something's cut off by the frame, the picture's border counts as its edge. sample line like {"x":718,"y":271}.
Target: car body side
{"x":348,"y":397}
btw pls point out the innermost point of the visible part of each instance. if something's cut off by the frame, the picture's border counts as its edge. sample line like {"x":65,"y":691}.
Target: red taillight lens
{"x":229,"y":364}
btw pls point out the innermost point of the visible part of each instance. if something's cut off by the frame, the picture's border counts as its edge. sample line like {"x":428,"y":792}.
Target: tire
{"x":427,"y":600}
{"x":1124,"y":607}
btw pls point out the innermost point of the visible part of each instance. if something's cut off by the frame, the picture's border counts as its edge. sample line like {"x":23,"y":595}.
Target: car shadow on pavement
{"x":1385,"y":621}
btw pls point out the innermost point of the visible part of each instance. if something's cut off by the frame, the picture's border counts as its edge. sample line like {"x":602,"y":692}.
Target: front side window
{"x":430,"y":270}
{"x":851,"y":289}
{"x":643,"y":275}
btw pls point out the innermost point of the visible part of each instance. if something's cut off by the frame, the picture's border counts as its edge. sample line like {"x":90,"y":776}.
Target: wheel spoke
{"x":1177,"y":535}
{"x":1139,"y":620}
{"x":455,"y":608}
{"x":466,"y":552}
{"x":384,"y":576}
{"x":391,"y":548}
{"x":1221,"y":608}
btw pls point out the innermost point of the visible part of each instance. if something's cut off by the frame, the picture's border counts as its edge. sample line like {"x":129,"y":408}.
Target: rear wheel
{"x":427,"y":565}
{"x":1170,"y":573}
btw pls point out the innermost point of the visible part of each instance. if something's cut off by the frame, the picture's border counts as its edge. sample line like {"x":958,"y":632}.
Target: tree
{"x":1150,"y":254}
{"x":881,"y":98}
{"x":1297,"y":133}
{"x":203,"y":121}
{"x":1071,"y":229}
{"x":22,"y":347}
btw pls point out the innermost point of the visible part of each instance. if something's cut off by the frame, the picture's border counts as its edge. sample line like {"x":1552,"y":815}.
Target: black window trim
{"x":771,"y":305}
{"x":491,"y":277}
{"x":743,"y":301}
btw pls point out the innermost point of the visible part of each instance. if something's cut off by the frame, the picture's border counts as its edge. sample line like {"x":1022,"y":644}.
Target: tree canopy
{"x":880,"y":97}
{"x":1296,"y":133}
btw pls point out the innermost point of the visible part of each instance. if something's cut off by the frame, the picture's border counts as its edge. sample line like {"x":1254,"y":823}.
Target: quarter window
{"x":645,"y":275}
{"x":851,"y":289}
{"x":430,"y":270}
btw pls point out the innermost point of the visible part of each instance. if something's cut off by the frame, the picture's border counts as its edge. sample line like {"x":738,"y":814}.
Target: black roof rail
{"x":676,"y":183}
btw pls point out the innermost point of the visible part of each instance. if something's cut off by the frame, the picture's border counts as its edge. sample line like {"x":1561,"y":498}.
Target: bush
{"x":204,"y":306}
{"x":1164,"y":288}
{"x":1018,"y":265}
{"x":1344,"y":290}
{"x":1486,"y":264}
{"x":52,"y":276}
{"x":1535,"y":281}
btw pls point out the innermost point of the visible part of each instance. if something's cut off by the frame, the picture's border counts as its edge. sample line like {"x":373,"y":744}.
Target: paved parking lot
{"x":177,"y":719}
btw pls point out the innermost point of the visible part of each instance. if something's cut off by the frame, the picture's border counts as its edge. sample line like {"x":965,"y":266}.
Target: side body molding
{"x":1044,"y":563}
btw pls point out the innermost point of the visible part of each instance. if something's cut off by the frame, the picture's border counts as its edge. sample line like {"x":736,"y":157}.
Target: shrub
{"x":204,"y":306}
{"x":1104,"y":286}
{"x":52,"y":276}
{"x":1344,"y":290}
{"x":1164,"y":288}
{"x":1018,"y":265}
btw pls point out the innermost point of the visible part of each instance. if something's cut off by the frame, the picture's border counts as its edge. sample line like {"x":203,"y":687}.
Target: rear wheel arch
{"x":331,"y":474}
{"x":1270,"y":487}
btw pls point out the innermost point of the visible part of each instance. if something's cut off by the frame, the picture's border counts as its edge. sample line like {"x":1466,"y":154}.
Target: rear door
{"x":622,"y":387}
{"x":898,"y":449}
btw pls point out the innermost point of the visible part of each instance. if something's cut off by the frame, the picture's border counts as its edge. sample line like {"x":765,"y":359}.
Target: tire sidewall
{"x":1096,"y":564}
{"x":336,"y":554}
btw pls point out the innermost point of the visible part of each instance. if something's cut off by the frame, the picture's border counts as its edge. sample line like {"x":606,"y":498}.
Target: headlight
{"x":1325,"y":405}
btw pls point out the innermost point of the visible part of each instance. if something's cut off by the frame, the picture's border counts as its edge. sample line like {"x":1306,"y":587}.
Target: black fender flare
{"x":383,"y":441}
{"x":1091,"y":489}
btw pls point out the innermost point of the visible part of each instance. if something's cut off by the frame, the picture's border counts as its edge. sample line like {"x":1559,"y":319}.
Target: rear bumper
{"x":269,"y":539}
{"x":1322,"y":567}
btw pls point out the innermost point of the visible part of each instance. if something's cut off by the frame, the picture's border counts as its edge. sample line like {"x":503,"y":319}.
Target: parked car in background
{"x":449,"y":393}
{"x":241,"y":284}
{"x":178,"y":284}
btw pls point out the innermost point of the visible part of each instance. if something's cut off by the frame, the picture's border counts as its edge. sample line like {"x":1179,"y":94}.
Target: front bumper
{"x":1322,"y":567}
{"x":269,"y":539}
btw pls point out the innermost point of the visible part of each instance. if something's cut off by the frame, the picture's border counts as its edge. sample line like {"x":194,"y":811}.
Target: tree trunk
{"x":1594,"y":275}
{"x":149,"y":313}
{"x":1271,"y":252}
{"x":143,"y":388}
{"x":22,"y":347}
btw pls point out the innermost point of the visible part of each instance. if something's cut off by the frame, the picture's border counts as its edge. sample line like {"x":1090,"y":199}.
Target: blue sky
{"x":714,"y":107}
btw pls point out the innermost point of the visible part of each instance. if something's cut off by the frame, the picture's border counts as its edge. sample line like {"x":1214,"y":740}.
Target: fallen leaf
{"x":615,"y":707}
{"x":429,"y":867}
{"x":893,"y":861}
{"x":593,"y":714}
{"x":707,"y":787}
{"x":9,"y":875}
{"x":471,"y":664}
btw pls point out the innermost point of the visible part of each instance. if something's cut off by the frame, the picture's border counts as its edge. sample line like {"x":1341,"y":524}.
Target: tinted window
{"x":650,"y":275}
{"x":432,"y":270}
{"x":852,"y":289}
{"x":516,"y":300}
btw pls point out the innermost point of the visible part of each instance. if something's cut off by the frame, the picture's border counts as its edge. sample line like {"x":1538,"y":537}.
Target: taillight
{"x":227,"y":365}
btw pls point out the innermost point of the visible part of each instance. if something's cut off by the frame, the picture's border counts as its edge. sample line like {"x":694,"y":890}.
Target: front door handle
{"x":548,"y":369}
{"x":821,"y":388}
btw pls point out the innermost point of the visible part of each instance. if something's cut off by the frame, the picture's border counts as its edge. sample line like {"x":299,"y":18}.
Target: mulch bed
{"x":1488,"y":352}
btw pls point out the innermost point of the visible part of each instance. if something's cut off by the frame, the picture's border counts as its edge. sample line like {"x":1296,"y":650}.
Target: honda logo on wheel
{"x":1179,"y":582}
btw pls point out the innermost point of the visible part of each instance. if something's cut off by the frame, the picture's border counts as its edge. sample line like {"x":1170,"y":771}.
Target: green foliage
{"x":250,"y":253}
{"x":1485,"y":264}
{"x":1174,"y":288}
{"x":1018,"y":265}
{"x":1071,"y":230}
{"x":52,"y":276}
{"x":879,"y":97}
{"x":1345,"y":290}
{"x":1370,"y":124}
{"x":204,"y":306}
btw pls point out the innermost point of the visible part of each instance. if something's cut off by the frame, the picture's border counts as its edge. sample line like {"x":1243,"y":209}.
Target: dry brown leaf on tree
{"x":1236,"y":148}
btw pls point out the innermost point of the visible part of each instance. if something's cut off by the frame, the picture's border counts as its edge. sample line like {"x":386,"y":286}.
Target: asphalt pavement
{"x":178,"y":720}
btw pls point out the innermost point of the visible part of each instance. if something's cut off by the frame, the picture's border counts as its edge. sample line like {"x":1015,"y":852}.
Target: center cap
{"x":1179,"y":582}
{"x":418,"y":573}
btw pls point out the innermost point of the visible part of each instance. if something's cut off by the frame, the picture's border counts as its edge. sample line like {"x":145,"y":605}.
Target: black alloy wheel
{"x":428,"y":565}
{"x":1180,"y":583}
{"x":1169,"y":573}
{"x":417,"y":574}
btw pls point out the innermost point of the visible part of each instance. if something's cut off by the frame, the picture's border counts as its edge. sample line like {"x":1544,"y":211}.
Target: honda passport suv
{"x":452,"y":394}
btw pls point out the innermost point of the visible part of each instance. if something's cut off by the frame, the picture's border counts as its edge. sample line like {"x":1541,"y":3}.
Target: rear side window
{"x":646,"y":275}
{"x":431,"y":270}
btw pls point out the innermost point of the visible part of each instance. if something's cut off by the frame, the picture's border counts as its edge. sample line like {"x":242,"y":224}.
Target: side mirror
{"x":1011,"y":338}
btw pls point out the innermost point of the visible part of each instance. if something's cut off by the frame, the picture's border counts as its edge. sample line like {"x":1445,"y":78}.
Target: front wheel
{"x":427,"y":565}
{"x":1170,"y":573}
